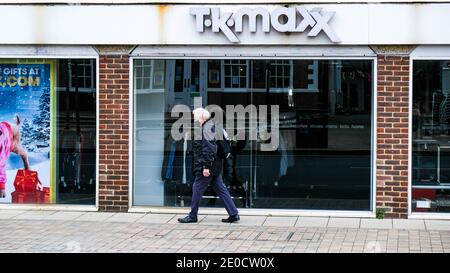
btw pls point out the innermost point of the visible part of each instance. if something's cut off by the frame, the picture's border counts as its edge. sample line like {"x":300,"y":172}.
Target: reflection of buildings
{"x":325,"y":122}
{"x":440,"y":115}
{"x":431,"y":117}
{"x":434,"y":110}
{"x":76,"y":120}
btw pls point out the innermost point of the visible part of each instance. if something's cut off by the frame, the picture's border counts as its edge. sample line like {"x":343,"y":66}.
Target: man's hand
{"x":206,"y":172}
{"x":2,"y":194}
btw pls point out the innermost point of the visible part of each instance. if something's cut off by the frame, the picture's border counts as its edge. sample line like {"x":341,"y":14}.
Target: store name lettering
{"x":21,"y":81}
{"x":17,"y":76}
{"x":281,"y":19}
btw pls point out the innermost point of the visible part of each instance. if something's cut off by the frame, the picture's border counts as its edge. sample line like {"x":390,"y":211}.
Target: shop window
{"x":54,"y":159}
{"x":322,"y":159}
{"x":431,"y":136}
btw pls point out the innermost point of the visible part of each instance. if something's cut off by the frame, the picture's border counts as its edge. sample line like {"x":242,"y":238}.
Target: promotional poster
{"x":25,"y":132}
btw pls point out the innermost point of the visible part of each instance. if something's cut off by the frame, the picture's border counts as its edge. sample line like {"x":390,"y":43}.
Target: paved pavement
{"x":70,"y":231}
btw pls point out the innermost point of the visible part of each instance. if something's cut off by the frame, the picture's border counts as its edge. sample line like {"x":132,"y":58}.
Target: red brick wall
{"x":392,"y":135}
{"x":113,"y":123}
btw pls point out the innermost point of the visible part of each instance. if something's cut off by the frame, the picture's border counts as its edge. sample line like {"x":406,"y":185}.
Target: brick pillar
{"x":392,"y":135}
{"x":113,"y":123}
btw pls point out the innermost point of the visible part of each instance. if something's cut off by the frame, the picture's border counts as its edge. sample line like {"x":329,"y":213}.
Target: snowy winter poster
{"x":25,"y":105}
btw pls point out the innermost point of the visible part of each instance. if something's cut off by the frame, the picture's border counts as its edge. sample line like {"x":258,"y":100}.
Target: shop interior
{"x":323,"y":160}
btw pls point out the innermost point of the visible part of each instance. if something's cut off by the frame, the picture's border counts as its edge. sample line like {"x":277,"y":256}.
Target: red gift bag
{"x":38,"y":197}
{"x":29,"y":189}
{"x":23,"y":197}
{"x":43,"y":197}
{"x":27,"y":181}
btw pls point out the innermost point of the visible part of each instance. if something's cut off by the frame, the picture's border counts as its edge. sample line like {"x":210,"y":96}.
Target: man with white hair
{"x":207,"y":168}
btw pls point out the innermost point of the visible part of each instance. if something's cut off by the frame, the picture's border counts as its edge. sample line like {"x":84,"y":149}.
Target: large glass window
{"x":320,"y":131}
{"x":431,"y":136}
{"x":48,"y":131}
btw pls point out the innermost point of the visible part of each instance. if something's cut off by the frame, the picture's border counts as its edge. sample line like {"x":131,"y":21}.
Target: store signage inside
{"x":282,"y":19}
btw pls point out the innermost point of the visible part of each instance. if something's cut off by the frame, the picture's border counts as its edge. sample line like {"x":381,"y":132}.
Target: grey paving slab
{"x":408,"y":224}
{"x":376,"y":223}
{"x":280,"y":221}
{"x":64,"y":215}
{"x":174,"y":220}
{"x":93,"y":232}
{"x":7,"y":214}
{"x":34,"y":215}
{"x":312,"y":222}
{"x":95,"y":216}
{"x":156,"y":218}
{"x":250,"y":220}
{"x":125,"y":217}
{"x":344,"y":223}
{"x":213,"y":220}
{"x":437,"y":225}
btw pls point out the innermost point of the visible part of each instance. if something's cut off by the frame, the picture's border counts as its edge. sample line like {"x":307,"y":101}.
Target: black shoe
{"x":231,"y":219}
{"x":187,"y":219}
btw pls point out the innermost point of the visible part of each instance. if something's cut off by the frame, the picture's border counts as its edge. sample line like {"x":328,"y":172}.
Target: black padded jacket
{"x":205,"y":150}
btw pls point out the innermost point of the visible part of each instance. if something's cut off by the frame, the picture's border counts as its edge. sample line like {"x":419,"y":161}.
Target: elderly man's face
{"x":198,"y":119}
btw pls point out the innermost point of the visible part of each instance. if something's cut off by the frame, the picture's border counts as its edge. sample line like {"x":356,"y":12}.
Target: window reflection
{"x":431,"y":136}
{"x":76,"y":131}
{"x":324,"y":154}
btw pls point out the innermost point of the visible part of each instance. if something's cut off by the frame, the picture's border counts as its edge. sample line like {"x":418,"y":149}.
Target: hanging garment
{"x":188,"y":167}
{"x":169,"y":169}
{"x":287,"y":141}
{"x":177,"y":162}
{"x":184,"y":180}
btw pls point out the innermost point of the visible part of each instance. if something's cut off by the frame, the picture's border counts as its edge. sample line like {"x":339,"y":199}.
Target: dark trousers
{"x":201,"y":184}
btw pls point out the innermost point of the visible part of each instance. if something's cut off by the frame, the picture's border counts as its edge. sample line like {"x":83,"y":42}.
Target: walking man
{"x":207,"y":168}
